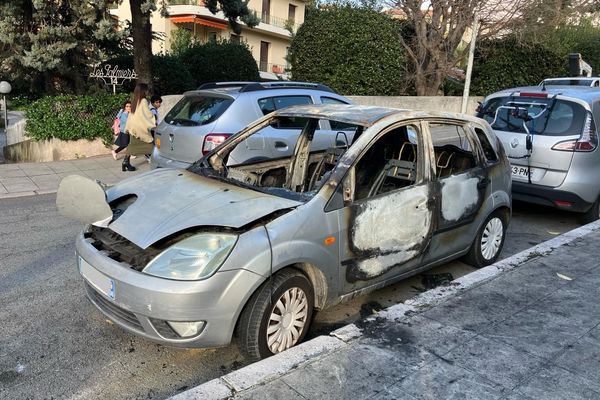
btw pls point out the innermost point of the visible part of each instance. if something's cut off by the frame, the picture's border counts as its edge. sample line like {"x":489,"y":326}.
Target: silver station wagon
{"x":196,"y":257}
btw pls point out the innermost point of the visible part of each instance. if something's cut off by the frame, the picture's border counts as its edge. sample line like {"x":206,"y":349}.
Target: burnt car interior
{"x":452,"y":149}
{"x":389,"y":164}
{"x":297,"y":177}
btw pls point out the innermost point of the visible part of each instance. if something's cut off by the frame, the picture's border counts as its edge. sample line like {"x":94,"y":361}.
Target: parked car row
{"x":294,"y":200}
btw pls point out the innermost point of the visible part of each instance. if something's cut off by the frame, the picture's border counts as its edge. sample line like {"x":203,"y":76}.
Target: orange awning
{"x":194,"y":19}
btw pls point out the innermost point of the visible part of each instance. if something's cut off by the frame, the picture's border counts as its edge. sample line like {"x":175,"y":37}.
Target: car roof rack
{"x":222,"y":85}
{"x":257,"y":86}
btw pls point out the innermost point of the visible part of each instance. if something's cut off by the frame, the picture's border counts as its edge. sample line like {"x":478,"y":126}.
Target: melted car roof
{"x":363,"y":115}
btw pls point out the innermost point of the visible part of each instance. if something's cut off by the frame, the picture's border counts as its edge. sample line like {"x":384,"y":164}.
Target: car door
{"x":462,"y":185}
{"x":386,"y":221}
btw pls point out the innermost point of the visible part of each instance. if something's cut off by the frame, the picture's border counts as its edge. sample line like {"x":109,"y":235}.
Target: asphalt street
{"x":54,"y":344}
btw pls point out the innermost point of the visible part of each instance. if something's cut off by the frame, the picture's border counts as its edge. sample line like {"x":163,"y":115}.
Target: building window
{"x":212,"y":36}
{"x":236,"y":38}
{"x":292,"y":13}
{"x":264,"y":56}
{"x":266,"y":11}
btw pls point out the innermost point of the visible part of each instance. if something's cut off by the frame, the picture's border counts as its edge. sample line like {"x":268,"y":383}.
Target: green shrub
{"x":355,"y":51}
{"x":170,"y":75}
{"x":505,"y":63}
{"x":74,"y":117}
{"x":220,"y":61}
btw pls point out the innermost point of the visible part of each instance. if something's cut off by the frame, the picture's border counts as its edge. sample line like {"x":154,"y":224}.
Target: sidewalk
{"x":527,"y":327}
{"x":25,"y":179}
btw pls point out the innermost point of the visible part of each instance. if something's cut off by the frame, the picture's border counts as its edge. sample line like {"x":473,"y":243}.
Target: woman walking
{"x":122,"y":139}
{"x":139,"y":123}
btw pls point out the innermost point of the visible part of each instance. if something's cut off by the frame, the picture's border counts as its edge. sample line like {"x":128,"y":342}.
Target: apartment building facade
{"x":269,"y":41}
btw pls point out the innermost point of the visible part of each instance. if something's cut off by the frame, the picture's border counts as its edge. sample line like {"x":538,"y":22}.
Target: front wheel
{"x":489,"y":241}
{"x":277,"y":316}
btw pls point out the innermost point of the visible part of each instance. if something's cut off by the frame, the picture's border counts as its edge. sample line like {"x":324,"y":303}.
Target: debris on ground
{"x":430,"y":281}
{"x":561,"y":276}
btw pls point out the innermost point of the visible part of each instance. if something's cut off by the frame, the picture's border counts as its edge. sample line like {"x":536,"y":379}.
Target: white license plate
{"x":521,"y":171}
{"x":98,"y":280}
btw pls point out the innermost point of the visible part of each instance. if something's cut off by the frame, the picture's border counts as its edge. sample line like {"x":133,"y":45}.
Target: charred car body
{"x":191,"y":257}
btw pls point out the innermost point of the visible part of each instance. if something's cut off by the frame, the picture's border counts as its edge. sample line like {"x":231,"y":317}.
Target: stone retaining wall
{"x":53,"y":150}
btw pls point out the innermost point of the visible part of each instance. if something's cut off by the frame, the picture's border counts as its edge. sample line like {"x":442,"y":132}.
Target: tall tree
{"x":436,"y":29}
{"x":141,"y":28}
{"x":51,"y":43}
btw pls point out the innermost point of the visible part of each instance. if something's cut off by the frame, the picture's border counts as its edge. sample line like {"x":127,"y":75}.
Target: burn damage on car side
{"x":407,"y":229}
{"x":341,"y":217}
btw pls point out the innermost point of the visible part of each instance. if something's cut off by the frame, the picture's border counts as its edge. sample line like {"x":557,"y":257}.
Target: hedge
{"x":74,"y":117}
{"x":170,"y":76}
{"x":505,"y":63}
{"x":354,"y":50}
{"x":220,"y":61}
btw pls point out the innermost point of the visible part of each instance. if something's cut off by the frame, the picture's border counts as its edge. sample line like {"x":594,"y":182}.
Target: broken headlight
{"x":195,"y":258}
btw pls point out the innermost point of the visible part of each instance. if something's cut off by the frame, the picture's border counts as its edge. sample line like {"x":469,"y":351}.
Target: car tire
{"x":488,"y":242}
{"x":592,"y":214}
{"x":280,"y":307}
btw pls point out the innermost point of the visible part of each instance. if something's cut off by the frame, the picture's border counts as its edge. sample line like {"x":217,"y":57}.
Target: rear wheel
{"x":272,"y":323}
{"x":592,"y":214}
{"x":489,"y":241}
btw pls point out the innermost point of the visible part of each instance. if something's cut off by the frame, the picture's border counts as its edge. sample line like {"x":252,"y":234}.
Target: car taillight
{"x":588,"y":141}
{"x":212,"y":140}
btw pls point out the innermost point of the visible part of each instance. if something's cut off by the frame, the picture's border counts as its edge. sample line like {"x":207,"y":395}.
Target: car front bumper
{"x":141,"y":303}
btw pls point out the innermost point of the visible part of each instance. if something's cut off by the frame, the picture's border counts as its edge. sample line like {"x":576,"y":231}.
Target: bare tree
{"x":435,"y":32}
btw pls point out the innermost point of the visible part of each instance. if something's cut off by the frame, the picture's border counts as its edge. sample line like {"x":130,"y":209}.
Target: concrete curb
{"x":274,"y":367}
{"x":26,"y":194}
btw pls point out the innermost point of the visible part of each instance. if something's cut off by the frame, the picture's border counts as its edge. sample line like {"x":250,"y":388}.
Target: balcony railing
{"x":269,"y":67}
{"x":288,"y":24}
{"x":186,"y":2}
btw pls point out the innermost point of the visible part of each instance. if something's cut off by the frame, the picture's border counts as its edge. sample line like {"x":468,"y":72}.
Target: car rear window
{"x":197,"y":110}
{"x":570,"y":82}
{"x":546,"y":116}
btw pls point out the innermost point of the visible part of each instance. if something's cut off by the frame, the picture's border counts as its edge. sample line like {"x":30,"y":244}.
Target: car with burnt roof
{"x":551,"y":138}
{"x":196,"y":257}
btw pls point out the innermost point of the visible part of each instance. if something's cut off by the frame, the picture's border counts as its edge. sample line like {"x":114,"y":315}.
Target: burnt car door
{"x":461,"y":185}
{"x":386,"y":218}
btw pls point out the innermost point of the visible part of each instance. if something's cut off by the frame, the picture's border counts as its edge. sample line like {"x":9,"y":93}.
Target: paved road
{"x":53,"y":343}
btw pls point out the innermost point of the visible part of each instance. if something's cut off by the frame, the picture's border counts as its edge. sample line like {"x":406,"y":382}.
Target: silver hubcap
{"x":287,"y":320}
{"x":491,"y":238}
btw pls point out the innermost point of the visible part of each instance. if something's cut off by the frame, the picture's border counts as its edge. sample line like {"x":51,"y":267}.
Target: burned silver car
{"x":195,"y":257}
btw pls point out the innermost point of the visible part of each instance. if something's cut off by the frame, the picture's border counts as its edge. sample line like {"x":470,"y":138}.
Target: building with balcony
{"x":269,"y":41}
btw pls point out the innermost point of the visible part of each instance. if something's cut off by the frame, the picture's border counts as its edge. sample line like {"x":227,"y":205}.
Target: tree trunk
{"x":141,"y":30}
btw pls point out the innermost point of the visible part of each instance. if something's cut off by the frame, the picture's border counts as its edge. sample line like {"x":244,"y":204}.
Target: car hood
{"x":171,"y":200}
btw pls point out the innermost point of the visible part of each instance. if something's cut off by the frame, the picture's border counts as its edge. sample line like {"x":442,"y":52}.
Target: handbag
{"x":116,"y":128}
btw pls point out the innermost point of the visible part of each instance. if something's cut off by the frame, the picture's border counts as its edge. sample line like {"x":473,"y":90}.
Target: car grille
{"x":113,"y":311}
{"x":120,"y":249}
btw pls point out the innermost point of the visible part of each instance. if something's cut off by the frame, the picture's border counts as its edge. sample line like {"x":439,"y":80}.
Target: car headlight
{"x":194,"y":258}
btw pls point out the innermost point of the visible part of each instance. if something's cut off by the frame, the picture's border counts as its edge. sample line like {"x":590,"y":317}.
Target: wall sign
{"x":113,"y":75}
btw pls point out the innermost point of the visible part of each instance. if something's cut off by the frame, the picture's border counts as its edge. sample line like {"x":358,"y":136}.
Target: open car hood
{"x":156,"y":204}
{"x":171,"y":200}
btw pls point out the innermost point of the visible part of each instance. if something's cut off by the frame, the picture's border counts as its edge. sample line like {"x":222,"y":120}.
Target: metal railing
{"x":270,"y":67}
{"x":279,"y":22}
{"x":266,"y":18}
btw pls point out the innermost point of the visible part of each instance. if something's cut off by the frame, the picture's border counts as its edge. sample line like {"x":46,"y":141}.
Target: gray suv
{"x":551,"y":138}
{"x":206,"y":117}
